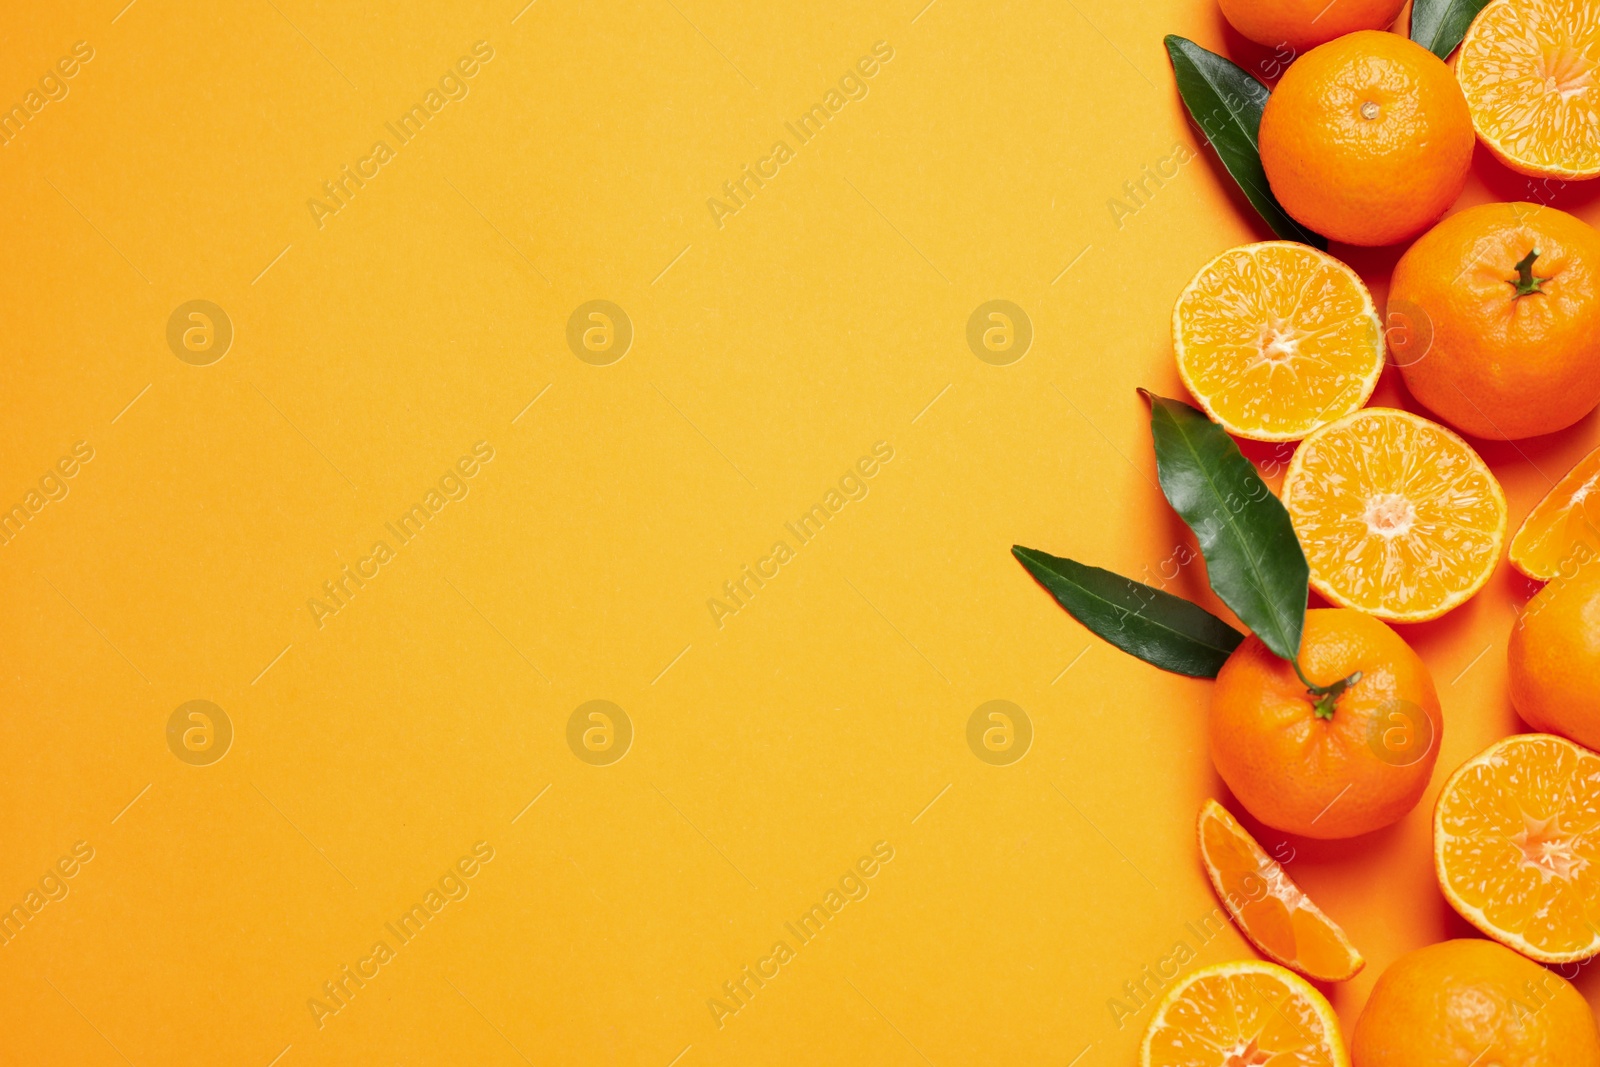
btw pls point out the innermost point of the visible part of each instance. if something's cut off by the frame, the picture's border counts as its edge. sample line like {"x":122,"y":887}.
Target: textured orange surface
{"x":1367,"y":139}
{"x":1443,"y":1002}
{"x":1333,"y":777}
{"x":824,"y":739}
{"x":1488,"y":361}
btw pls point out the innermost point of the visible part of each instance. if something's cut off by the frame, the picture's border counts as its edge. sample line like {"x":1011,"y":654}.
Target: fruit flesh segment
{"x":1240,"y":1020}
{"x":1563,"y":531}
{"x":1277,"y":339}
{"x":1399,"y":518}
{"x":1519,"y":837}
{"x":1272,"y":911}
{"x":1531,"y":72}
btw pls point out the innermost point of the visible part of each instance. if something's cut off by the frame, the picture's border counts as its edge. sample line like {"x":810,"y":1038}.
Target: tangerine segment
{"x":1516,"y":837}
{"x":1563,"y":529}
{"x":1245,"y":1013}
{"x":1277,"y":917}
{"x":1276,"y":339}
{"x":1530,"y":70}
{"x":1398,"y":516}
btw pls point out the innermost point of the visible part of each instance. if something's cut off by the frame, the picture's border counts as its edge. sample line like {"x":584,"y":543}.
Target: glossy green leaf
{"x":1253,"y":558}
{"x":1226,"y":104}
{"x":1439,"y":25}
{"x":1159,"y":628}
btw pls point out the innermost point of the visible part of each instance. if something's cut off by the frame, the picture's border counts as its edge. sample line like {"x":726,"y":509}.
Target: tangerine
{"x":1554,"y":658}
{"x":1303,"y":24}
{"x":1494,"y":319}
{"x":1530,"y":71}
{"x":1367,"y":139}
{"x":1349,"y":753}
{"x":1473,"y":1002}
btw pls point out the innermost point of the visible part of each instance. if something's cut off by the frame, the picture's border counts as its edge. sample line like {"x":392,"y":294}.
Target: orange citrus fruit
{"x":1563,"y":529}
{"x":1327,"y":764}
{"x":1276,"y":339}
{"x":1367,"y":139}
{"x":1303,"y":24}
{"x":1270,"y":910}
{"x":1554,"y":658}
{"x":1473,"y":1002}
{"x":1516,"y":836}
{"x":1398,"y":516}
{"x":1530,"y":70}
{"x":1242,"y":1015}
{"x":1494,"y":319}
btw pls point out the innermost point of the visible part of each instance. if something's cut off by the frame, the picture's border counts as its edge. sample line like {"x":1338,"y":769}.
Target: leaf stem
{"x":1325,"y":698}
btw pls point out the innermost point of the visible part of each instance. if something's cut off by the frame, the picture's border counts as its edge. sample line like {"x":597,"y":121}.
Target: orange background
{"x":770,"y":354}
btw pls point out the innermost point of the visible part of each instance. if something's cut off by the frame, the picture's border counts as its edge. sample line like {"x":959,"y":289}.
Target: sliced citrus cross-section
{"x":1563,"y":529}
{"x":1243,"y":1015}
{"x":1269,"y":908}
{"x":1530,"y":70}
{"x":1516,"y":837}
{"x":1398,"y":516}
{"x":1276,"y":339}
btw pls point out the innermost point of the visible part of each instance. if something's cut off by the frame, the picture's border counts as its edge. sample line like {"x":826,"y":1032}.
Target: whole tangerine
{"x":1303,"y":24}
{"x":1494,"y":319}
{"x":1327,"y":764}
{"x":1473,"y":1001}
{"x":1554,"y":658}
{"x":1367,"y":139}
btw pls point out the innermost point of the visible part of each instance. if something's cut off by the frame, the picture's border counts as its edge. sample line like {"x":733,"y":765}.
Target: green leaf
{"x":1159,"y":628}
{"x":1253,"y":559}
{"x":1226,"y":103}
{"x":1439,"y":25}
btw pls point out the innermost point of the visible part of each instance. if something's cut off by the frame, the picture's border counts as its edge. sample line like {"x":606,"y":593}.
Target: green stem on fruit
{"x":1325,"y":698}
{"x":1525,"y":282}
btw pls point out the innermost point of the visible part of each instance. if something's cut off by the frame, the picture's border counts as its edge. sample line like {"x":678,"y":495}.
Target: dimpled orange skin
{"x":1367,"y":139}
{"x":1473,"y":1002}
{"x":1303,"y":24}
{"x":1555,"y":658}
{"x":1487,"y":361}
{"x":1291,"y":769}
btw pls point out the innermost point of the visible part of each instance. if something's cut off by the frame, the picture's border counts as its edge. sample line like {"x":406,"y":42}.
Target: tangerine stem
{"x":1525,"y":282}
{"x":1325,"y":698}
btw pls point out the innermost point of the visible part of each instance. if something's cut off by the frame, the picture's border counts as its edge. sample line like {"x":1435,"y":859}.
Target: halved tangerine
{"x":1270,"y":910}
{"x":1398,"y":516}
{"x":1276,"y":339}
{"x":1516,"y":840}
{"x":1563,"y":529}
{"x":1530,"y":70}
{"x":1243,"y":1014}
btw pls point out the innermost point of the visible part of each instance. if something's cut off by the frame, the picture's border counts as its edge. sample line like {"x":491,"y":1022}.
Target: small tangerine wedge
{"x":1276,"y":339}
{"x":1564,"y":526}
{"x":1530,"y":70}
{"x":1398,"y":516}
{"x":1273,"y":912}
{"x":1245,"y":1013}
{"x":1516,"y":840}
